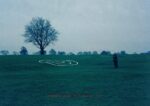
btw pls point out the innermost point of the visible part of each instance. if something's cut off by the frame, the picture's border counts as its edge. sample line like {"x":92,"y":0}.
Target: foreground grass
{"x":94,"y":82}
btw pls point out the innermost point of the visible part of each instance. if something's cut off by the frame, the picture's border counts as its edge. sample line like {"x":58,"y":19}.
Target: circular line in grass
{"x":59,"y":63}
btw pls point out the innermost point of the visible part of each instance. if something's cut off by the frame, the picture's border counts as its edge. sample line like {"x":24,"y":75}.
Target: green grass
{"x":94,"y":82}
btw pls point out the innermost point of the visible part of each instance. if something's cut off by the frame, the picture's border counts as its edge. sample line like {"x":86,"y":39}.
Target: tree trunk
{"x":42,"y":52}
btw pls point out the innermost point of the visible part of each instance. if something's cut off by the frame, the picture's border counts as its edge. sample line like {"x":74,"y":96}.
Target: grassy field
{"x":94,"y":82}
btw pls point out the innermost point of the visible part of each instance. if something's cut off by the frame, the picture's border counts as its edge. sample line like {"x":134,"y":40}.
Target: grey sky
{"x":83,"y":24}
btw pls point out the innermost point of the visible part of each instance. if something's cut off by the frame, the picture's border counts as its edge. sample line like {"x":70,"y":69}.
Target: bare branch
{"x":40,"y":32}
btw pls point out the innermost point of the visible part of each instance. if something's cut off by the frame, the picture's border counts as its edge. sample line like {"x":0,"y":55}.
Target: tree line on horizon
{"x":24,"y":51}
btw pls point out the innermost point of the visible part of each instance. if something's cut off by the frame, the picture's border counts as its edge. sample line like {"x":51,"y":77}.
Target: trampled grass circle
{"x":59,"y":62}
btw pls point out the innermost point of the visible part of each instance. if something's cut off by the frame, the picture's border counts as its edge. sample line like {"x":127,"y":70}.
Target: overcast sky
{"x":83,"y":24}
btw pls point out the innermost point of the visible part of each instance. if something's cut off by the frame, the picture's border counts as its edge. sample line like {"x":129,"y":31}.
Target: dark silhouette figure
{"x":115,"y":60}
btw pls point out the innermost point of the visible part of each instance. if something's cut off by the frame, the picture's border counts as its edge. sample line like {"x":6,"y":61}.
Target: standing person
{"x":115,"y":60}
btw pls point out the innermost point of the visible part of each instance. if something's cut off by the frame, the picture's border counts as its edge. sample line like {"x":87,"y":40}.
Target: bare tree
{"x":71,"y":53}
{"x":105,"y":53}
{"x":95,"y":53}
{"x":15,"y":53}
{"x":4,"y":52}
{"x":52,"y":52}
{"x":41,"y":33}
{"x":80,"y":53}
{"x":61,"y":53}
{"x":23,"y":51}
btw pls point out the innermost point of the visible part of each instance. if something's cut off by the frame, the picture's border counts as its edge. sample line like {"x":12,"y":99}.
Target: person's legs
{"x":115,"y":60}
{"x":116,"y":64}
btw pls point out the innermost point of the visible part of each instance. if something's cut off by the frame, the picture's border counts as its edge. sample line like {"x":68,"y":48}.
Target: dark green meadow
{"x":94,"y":82}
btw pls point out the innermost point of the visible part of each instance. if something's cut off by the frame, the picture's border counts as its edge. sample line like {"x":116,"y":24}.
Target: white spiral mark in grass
{"x":60,"y":63}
